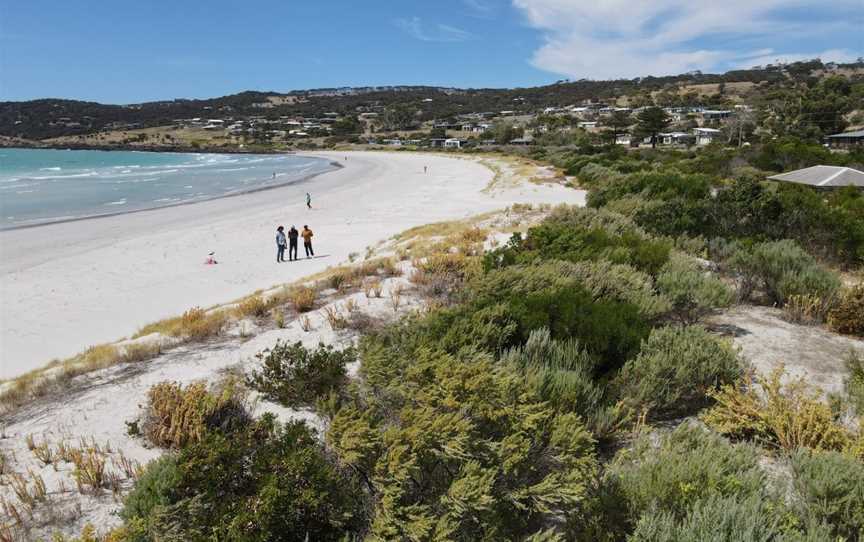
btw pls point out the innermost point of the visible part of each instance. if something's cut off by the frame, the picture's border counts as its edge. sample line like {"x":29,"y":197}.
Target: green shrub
{"x":686,"y":465}
{"x":692,"y":291}
{"x":618,"y":282}
{"x":662,"y":185}
{"x":782,"y":269}
{"x":854,"y":382}
{"x":560,"y":371}
{"x":719,"y":519}
{"x":153,"y":489}
{"x":456,"y":448}
{"x":261,"y":483}
{"x":676,"y":367}
{"x":578,"y":234}
{"x":294,"y":375}
{"x":847,"y":314}
{"x":829,"y":486}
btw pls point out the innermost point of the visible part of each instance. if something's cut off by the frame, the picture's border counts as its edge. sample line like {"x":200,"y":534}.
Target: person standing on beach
{"x":308,"y":200}
{"x":292,"y":243}
{"x":307,"y":241}
{"x":424,"y":169}
{"x":280,"y":244}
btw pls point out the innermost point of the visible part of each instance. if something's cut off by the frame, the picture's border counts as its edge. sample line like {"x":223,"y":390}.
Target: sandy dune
{"x":65,"y":287}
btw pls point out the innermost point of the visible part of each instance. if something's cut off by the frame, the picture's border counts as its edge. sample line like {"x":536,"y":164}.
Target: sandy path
{"x":68,"y":286}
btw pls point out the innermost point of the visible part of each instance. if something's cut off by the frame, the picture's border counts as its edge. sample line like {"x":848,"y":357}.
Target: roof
{"x":706,"y":130}
{"x":824,"y":176}
{"x":859,"y":133}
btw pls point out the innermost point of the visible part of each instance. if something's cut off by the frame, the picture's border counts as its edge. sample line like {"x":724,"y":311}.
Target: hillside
{"x":50,"y":118}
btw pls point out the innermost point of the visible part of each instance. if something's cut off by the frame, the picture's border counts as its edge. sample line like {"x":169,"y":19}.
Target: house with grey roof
{"x":846,"y":139}
{"x":823,"y":177}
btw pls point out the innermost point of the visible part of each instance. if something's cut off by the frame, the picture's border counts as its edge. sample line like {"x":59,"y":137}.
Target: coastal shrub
{"x":670,"y":473}
{"x":693,"y":293}
{"x":787,"y":416}
{"x":854,"y":382}
{"x":294,"y":375}
{"x":176,"y":415}
{"x":605,"y":280}
{"x":153,"y":488}
{"x":723,"y":519}
{"x":575,"y":234}
{"x":662,"y":185}
{"x":806,"y":309}
{"x":539,"y":296}
{"x":676,"y":367}
{"x":302,"y":298}
{"x":829,"y":486}
{"x":263,"y":482}
{"x":847,"y":314}
{"x":561,"y":372}
{"x":782,"y":269}
{"x":456,"y":448}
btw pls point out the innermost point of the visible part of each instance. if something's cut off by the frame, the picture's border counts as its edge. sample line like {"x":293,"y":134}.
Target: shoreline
{"x":178,"y":149}
{"x":306,"y":178}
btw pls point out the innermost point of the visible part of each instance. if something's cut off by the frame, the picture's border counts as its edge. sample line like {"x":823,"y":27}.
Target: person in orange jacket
{"x":307,"y":241}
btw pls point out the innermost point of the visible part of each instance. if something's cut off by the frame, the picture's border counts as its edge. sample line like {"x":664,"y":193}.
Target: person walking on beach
{"x":307,"y":241}
{"x":292,"y":243}
{"x":280,"y":244}
{"x":424,"y":169}
{"x":308,"y":200}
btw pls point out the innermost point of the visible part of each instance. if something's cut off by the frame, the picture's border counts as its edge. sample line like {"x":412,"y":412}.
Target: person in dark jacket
{"x":292,"y":243}
{"x":280,"y":244}
{"x":307,"y":241}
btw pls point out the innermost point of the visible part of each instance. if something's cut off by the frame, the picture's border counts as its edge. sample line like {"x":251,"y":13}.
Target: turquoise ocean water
{"x":40,"y":186}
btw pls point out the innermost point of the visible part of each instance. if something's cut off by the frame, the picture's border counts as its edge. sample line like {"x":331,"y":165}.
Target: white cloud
{"x":415,"y":28}
{"x":607,"y":39}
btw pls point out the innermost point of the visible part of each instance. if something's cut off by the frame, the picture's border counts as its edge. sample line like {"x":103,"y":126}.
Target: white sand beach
{"x":64,"y":287}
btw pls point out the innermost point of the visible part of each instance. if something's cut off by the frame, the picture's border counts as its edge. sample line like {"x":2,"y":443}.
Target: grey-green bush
{"x":829,"y":487}
{"x":675,"y":367}
{"x":686,"y":465}
{"x":692,"y":291}
{"x":782,"y":269}
{"x":723,"y":519}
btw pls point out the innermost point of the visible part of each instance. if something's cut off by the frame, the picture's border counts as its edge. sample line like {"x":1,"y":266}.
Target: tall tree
{"x":652,"y":121}
{"x":618,"y":123}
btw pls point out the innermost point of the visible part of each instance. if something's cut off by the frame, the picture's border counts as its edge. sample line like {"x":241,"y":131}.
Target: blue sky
{"x":125,"y":51}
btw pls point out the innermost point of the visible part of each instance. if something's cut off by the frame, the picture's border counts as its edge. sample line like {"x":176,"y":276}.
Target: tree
{"x":652,"y":121}
{"x":504,"y":132}
{"x":619,"y":122}
{"x":398,"y":117}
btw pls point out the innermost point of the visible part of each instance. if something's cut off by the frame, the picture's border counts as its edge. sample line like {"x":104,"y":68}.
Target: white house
{"x":452,"y":143}
{"x":704,"y":136}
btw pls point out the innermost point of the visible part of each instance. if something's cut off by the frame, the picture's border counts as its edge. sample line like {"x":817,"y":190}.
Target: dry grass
{"x":196,"y":324}
{"x":176,"y":415}
{"x":396,"y":297}
{"x":254,"y":306}
{"x":335,"y":318}
{"x":138,"y":352}
{"x":90,"y":472}
{"x":305,"y":323}
{"x":278,"y":318}
{"x":302,"y":298}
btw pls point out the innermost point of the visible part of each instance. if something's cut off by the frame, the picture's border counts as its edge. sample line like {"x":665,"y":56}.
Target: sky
{"x":129,"y":51}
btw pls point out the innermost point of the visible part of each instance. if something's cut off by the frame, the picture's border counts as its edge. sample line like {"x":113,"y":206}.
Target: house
{"x":825,"y":177}
{"x":674,"y":138}
{"x":522,"y":141}
{"x":623,"y":139}
{"x":452,"y":143}
{"x":716,"y":114}
{"x":704,"y":136}
{"x":846,"y":139}
{"x":588,"y":125}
